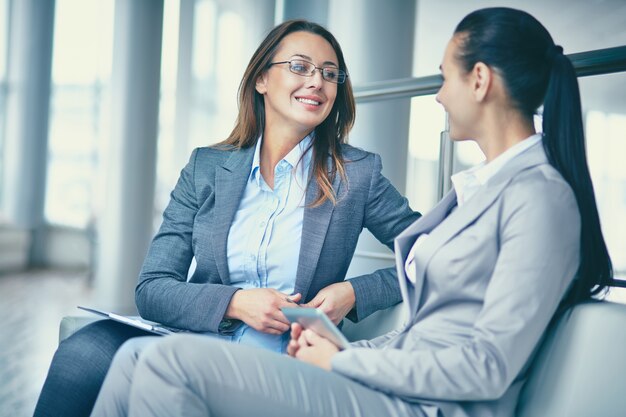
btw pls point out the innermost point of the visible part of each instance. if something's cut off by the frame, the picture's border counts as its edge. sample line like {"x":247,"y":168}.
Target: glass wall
{"x":200,"y":46}
{"x":79,"y":113}
{"x":197,"y":110}
{"x":604,"y":104}
{"x":427,"y":122}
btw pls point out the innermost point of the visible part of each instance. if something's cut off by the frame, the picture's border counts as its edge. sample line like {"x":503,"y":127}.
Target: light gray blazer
{"x":490,"y":276}
{"x":197,"y":221}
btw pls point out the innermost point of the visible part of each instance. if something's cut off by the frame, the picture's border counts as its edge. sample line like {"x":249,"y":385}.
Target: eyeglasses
{"x":307,"y":69}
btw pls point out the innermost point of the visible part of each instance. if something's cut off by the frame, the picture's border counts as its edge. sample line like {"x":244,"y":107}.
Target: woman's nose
{"x":315,"y":80}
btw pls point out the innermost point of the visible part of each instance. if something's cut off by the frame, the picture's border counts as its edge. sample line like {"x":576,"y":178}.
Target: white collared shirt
{"x":467,"y":182}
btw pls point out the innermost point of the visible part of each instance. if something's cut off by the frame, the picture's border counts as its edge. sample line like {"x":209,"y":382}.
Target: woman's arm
{"x":539,"y":240}
{"x":387,"y":214}
{"x":163,"y":293}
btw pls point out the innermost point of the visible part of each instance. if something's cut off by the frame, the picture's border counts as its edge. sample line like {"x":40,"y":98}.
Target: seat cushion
{"x":580,"y":370}
{"x":70,"y":324}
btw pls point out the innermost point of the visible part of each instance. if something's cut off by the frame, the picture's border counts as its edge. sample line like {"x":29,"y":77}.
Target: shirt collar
{"x":467,"y":181}
{"x":300,"y":153}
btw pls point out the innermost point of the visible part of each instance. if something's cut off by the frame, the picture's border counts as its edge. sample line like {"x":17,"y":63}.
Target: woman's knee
{"x":129,"y":353}
{"x":91,"y":349}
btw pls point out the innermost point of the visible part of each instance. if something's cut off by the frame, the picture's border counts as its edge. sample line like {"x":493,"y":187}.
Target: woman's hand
{"x":260,"y":308}
{"x":293,"y":346}
{"x":309,"y":347}
{"x":336,"y":300}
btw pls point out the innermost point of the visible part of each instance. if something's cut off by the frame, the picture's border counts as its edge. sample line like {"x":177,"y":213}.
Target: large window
{"x":200,"y":46}
{"x":427,"y":122}
{"x":79,"y":118}
{"x":604,"y":103}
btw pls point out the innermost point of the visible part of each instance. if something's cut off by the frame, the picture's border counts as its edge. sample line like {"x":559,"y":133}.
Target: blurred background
{"x":102,"y":102}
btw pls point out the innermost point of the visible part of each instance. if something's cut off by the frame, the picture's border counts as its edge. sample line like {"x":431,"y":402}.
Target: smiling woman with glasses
{"x":272,"y":216}
{"x":307,"y":69}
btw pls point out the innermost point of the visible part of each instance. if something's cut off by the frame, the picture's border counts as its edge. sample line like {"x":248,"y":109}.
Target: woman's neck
{"x":502,"y":131}
{"x":275,"y":146}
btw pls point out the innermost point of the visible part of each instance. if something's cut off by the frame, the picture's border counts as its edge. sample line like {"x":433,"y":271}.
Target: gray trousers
{"x":191,"y":375}
{"x":114,"y":396}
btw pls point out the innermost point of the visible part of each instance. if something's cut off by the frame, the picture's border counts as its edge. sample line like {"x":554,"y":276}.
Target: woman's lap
{"x":196,"y":376}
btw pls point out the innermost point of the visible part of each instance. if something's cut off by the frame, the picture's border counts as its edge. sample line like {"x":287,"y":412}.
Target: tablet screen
{"x":316,"y":320}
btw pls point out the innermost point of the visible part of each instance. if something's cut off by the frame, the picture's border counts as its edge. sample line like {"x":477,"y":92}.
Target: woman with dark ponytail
{"x":535,"y":71}
{"x":482,"y":274}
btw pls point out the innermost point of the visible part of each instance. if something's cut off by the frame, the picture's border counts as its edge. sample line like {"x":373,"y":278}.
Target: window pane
{"x":199,"y":111}
{"x":427,"y":122}
{"x":604,"y":104}
{"x":81,"y":69}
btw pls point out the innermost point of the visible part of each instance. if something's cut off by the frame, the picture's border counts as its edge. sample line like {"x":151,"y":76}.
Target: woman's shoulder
{"x":216,"y":151}
{"x":541,"y":174}
{"x":353,"y":154}
{"x":214,"y":154}
{"x":541,"y":185}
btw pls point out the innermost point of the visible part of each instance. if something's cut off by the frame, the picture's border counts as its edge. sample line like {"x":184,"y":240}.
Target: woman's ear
{"x":482,"y":77}
{"x":261,"y":84}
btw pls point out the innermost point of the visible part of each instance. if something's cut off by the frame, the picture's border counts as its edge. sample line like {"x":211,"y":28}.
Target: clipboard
{"x":134,"y":321}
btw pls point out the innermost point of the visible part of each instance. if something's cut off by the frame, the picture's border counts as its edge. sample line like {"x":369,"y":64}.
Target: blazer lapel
{"x":230,"y":183}
{"x":458,"y":220}
{"x":314,"y":229}
{"x":406,"y":239}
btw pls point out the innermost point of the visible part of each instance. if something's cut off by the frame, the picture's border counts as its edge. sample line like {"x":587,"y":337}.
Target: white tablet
{"x":318,"y":321}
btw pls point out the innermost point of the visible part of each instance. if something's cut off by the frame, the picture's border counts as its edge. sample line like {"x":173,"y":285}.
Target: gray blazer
{"x":490,"y":276}
{"x":197,"y":221}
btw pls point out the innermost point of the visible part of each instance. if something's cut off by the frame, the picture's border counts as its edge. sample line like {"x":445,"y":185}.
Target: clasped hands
{"x":260,"y":308}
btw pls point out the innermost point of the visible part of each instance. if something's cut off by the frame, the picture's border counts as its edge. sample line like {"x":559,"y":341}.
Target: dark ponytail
{"x":535,"y":71}
{"x":564,"y":142}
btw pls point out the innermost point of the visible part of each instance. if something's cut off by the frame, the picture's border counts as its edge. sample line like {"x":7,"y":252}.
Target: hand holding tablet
{"x":316,"y":320}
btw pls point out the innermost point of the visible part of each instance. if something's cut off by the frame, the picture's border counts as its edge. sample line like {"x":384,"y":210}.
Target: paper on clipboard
{"x":134,"y":321}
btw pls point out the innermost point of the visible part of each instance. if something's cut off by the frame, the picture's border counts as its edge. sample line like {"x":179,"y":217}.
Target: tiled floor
{"x":31,"y":307}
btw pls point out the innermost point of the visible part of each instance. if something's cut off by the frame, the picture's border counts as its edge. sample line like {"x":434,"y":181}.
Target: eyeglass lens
{"x":306,"y":68}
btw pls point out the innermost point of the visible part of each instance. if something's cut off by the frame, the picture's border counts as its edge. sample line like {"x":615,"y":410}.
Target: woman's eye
{"x":330,"y":74}
{"x":298,"y":68}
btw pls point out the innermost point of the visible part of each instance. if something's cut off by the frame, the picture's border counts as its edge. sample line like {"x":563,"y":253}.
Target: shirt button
{"x":262,"y":224}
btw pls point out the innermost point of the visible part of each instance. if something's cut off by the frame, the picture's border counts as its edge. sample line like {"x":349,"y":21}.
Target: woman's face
{"x":456,"y":95}
{"x":294,"y":102}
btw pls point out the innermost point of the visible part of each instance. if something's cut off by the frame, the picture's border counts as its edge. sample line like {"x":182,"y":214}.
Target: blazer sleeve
{"x":163,"y":293}
{"x":387,"y":214}
{"x":539,"y":238}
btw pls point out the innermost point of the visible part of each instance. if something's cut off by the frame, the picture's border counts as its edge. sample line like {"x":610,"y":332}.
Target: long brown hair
{"x":329,"y":135}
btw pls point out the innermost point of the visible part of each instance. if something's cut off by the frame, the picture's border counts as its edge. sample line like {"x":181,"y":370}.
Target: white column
{"x":126,"y":223}
{"x":28,"y":102}
{"x":377,"y":45}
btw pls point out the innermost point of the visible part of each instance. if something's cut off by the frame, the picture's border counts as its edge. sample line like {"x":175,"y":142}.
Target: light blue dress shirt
{"x":264,"y":240}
